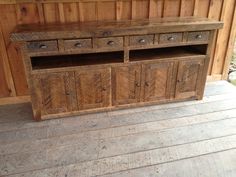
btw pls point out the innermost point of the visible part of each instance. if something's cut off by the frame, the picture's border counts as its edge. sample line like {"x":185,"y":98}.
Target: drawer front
{"x":110,"y":42}
{"x":171,"y":38}
{"x":42,"y":46}
{"x":77,"y":44}
{"x":198,"y":36}
{"x":141,"y":40}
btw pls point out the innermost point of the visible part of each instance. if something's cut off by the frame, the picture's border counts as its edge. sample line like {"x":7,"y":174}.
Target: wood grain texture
{"x":148,"y":142}
{"x":120,"y":76}
{"x":16,"y":80}
{"x":222,"y":42}
{"x":49,"y":11}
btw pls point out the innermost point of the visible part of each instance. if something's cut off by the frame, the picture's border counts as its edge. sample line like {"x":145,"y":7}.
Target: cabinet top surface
{"x":112,"y":28}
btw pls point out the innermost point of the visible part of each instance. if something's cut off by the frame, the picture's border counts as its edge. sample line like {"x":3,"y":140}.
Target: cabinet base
{"x":113,"y":108}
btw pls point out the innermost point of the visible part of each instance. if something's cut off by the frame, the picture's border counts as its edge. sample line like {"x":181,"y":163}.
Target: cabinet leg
{"x":37,"y":115}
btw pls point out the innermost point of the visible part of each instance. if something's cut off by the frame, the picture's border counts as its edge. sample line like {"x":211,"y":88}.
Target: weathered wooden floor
{"x":186,"y":139}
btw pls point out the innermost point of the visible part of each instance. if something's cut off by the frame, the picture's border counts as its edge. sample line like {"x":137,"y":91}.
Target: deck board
{"x":160,"y":140}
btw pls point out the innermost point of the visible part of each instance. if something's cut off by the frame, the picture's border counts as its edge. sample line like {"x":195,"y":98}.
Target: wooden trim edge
{"x":15,"y":100}
{"x":215,"y":77}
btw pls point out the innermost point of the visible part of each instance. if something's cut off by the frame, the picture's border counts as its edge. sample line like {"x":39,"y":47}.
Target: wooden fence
{"x":13,"y":86}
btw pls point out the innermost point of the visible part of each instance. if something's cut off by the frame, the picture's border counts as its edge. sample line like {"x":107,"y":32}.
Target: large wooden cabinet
{"x":98,"y":66}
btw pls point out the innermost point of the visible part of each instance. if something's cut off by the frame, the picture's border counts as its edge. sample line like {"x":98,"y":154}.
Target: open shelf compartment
{"x":61,"y":61}
{"x":169,"y":52}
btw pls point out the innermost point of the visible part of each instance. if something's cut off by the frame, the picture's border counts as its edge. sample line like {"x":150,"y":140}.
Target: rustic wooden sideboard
{"x":98,"y":66}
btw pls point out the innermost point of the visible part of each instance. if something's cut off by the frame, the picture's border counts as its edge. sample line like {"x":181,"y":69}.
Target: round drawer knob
{"x":171,"y":38}
{"x":78,"y":45}
{"x":43,"y":46}
{"x":199,"y":36}
{"x":110,"y":43}
{"x":142,"y":41}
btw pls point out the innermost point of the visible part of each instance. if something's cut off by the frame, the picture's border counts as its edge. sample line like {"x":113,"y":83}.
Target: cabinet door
{"x":126,"y":81}
{"x":93,"y":88}
{"x":53,"y":93}
{"x":189,"y":78}
{"x":158,"y":81}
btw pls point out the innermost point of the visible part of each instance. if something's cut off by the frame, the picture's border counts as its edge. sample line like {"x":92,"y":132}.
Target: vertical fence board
{"x":51,"y":12}
{"x":61,"y":12}
{"x":5,"y":90}
{"x":13,"y":55}
{"x":214,"y":13}
{"x":201,"y":8}
{"x":71,"y":12}
{"x":187,"y":8}
{"x":27,"y":13}
{"x":88,"y":11}
{"x":171,"y":8}
{"x":123,"y":10}
{"x":153,"y":8}
{"x":231,"y":43}
{"x":106,"y":10}
{"x":223,"y":37}
{"x":140,"y":9}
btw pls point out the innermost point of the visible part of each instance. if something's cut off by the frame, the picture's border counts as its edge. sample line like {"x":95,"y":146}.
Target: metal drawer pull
{"x":110,"y":43}
{"x":137,"y":84}
{"x":171,"y":38}
{"x":78,"y":45}
{"x":43,"y":46}
{"x":199,"y":36}
{"x":142,"y":41}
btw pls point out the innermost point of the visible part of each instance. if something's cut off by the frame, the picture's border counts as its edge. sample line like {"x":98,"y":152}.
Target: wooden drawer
{"x":141,"y":40}
{"x":110,"y":42}
{"x":77,"y":44}
{"x":198,"y":36}
{"x":171,"y":38}
{"x":42,"y":46}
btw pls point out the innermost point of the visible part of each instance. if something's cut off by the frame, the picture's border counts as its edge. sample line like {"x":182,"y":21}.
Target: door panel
{"x":189,"y":78}
{"x":126,"y":82}
{"x":158,"y":80}
{"x":54,"y":93}
{"x":93,"y":88}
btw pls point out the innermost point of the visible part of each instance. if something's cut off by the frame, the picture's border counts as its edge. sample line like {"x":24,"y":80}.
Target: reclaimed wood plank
{"x":128,"y":161}
{"x":214,"y":13}
{"x":140,"y":9}
{"x":187,"y":7}
{"x":170,"y":137}
{"x":106,"y":10}
{"x":119,"y":120}
{"x":221,"y":164}
{"x":71,"y":12}
{"x":13,"y":54}
{"x":123,"y":10}
{"x":51,"y":12}
{"x":201,"y":8}
{"x":27,"y":13}
{"x":74,"y":137}
{"x":8,"y":87}
{"x":171,"y":8}
{"x":230,"y":48}
{"x":98,"y":121}
{"x":222,"y":40}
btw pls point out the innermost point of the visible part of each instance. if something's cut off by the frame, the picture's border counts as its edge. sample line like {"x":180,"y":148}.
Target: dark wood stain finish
{"x":96,"y":66}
